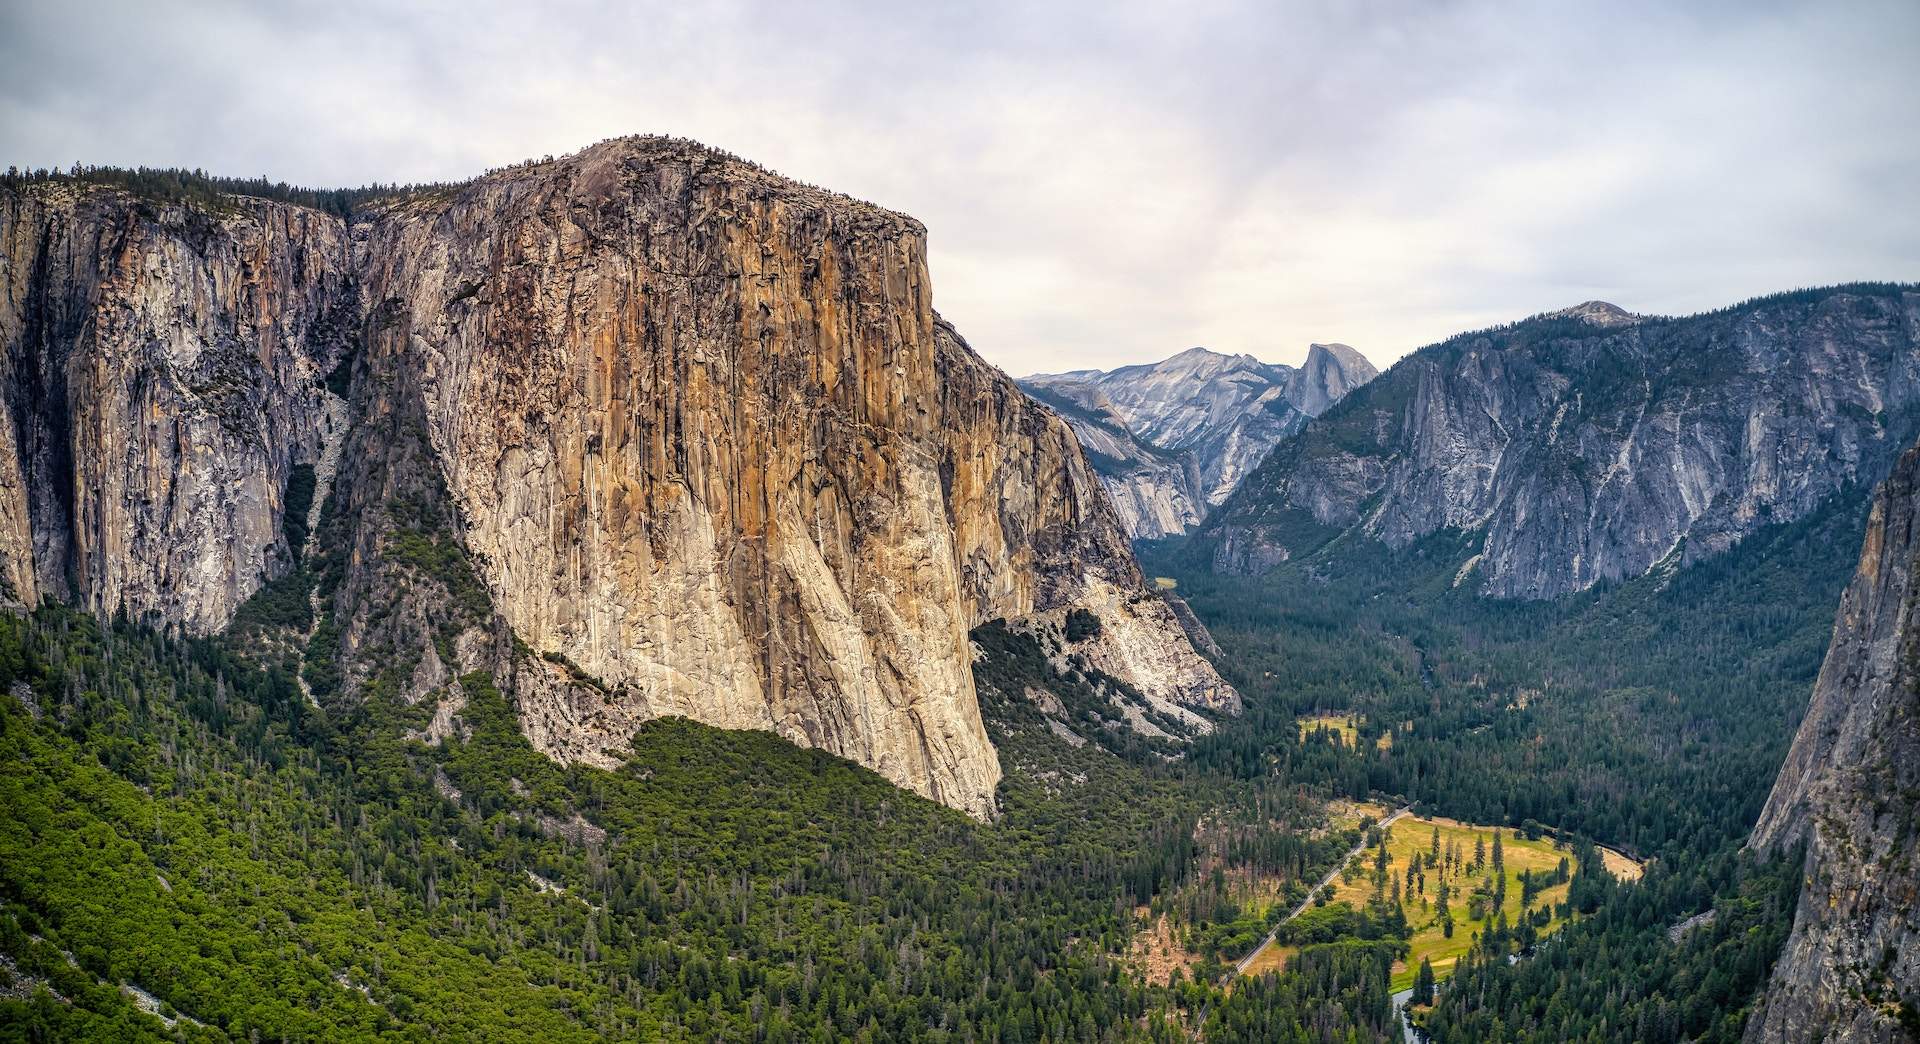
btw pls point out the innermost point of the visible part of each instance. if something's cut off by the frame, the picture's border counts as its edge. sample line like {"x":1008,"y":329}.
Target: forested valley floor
{"x":191,"y":849}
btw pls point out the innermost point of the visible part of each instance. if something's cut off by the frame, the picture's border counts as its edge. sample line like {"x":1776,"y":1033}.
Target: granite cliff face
{"x":1592,"y":445}
{"x":164,"y":370}
{"x":685,"y":413}
{"x":1330,"y":373}
{"x":642,"y":431}
{"x":1173,"y":439}
{"x":1850,"y":789}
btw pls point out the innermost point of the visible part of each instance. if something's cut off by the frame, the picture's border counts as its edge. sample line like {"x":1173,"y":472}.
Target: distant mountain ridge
{"x":1171,"y":440}
{"x":1591,"y":445}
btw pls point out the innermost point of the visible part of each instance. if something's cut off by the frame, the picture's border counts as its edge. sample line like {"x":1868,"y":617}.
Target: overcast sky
{"x":1103,"y":183}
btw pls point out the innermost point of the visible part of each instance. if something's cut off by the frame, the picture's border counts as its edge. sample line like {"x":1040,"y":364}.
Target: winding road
{"x":1241,"y":968}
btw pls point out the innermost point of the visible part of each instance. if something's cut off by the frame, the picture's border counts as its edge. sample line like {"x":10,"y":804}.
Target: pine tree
{"x":1423,"y":983}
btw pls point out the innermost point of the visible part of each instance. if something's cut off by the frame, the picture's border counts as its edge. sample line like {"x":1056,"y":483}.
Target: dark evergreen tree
{"x":1423,"y":983}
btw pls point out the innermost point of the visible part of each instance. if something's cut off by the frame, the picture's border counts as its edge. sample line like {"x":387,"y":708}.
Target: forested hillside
{"x":179,"y":822}
{"x":307,"y":874}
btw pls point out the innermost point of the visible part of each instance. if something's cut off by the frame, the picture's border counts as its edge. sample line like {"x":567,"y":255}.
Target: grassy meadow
{"x":1451,"y":862}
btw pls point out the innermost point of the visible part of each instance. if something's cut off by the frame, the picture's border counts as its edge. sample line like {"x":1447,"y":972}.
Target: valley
{"x":1342,"y":728}
{"x":1273,"y":956}
{"x":698,"y":640}
{"x":982,"y":523}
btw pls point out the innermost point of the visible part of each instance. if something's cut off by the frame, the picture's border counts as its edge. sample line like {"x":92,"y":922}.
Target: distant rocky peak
{"x":1172,"y":439}
{"x":1330,"y":372}
{"x":1205,"y":363}
{"x":1598,"y":313}
{"x":1342,"y":355}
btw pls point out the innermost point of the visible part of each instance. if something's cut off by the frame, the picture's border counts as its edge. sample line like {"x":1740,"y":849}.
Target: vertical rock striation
{"x":688,"y":415}
{"x":162,"y":374}
{"x":1850,"y":789}
{"x":1330,"y":373}
{"x":1037,"y":536}
{"x":712,"y":448}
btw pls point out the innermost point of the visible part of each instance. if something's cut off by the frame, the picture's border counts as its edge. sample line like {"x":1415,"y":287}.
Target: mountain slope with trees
{"x":1591,"y":446}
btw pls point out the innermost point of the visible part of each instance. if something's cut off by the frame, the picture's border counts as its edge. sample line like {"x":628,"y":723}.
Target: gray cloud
{"x":1103,"y":183}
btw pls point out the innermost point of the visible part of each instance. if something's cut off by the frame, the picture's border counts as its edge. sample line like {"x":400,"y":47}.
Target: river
{"x":1400,"y":1008}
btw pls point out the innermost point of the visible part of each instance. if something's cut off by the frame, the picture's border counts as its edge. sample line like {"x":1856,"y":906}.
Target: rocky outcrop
{"x":643,"y":431}
{"x":163,"y":373}
{"x":1190,"y":622}
{"x":1850,"y":789}
{"x":1173,"y":439}
{"x":1590,"y":445}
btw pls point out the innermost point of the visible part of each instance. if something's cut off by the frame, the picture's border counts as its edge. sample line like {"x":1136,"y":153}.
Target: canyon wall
{"x":1172,"y":440}
{"x":643,"y":431}
{"x":1592,"y":445}
{"x":1850,"y":789}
